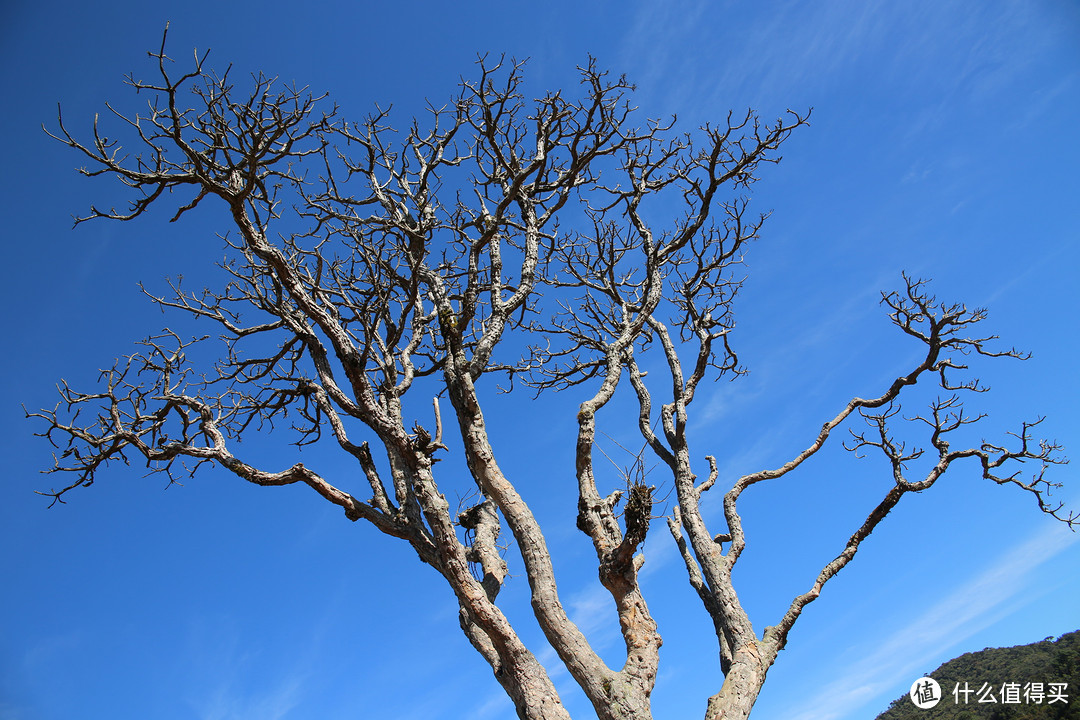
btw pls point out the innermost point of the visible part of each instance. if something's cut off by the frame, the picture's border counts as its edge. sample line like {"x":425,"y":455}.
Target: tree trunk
{"x":741,"y":685}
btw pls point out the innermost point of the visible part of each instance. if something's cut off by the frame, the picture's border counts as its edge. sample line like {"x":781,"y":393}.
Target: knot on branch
{"x":352,"y":511}
{"x":481,"y":523}
{"x":423,"y":443}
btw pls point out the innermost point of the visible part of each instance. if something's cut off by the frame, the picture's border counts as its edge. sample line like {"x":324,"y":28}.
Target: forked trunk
{"x":741,"y":686}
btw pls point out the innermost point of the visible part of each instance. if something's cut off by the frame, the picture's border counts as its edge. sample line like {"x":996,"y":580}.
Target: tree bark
{"x":741,"y":685}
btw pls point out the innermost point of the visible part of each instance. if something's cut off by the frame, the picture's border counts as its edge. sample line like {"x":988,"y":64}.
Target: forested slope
{"x":1005,"y":684}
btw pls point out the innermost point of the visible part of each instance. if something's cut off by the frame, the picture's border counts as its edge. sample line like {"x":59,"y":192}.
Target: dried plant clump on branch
{"x":421,"y":257}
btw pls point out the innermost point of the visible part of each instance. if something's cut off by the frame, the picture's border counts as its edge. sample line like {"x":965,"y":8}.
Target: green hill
{"x":1019,"y":674}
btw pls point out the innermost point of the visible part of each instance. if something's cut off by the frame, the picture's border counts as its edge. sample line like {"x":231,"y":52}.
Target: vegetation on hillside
{"x":1008,"y":681}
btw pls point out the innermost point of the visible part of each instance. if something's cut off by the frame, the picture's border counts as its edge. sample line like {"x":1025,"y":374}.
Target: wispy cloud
{"x":593,"y":611}
{"x":800,"y":52}
{"x":495,"y":704}
{"x":273,"y":702}
{"x":9,"y":711}
{"x":911,"y":650}
{"x":229,"y":677}
{"x":227,"y":687}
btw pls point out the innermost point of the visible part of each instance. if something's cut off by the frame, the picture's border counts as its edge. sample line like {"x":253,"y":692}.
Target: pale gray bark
{"x":420,"y":253}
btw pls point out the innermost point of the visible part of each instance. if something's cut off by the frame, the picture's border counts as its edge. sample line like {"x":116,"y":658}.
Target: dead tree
{"x":368,"y":263}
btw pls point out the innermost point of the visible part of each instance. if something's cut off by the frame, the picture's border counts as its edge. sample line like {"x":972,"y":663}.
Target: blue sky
{"x":943,"y":142}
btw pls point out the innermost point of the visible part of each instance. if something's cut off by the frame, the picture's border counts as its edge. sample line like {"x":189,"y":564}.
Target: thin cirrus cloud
{"x":276,"y":703}
{"x":923,"y":643}
{"x":809,"y":49}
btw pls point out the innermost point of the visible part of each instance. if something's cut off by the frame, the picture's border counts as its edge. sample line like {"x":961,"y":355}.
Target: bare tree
{"x":368,"y":263}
